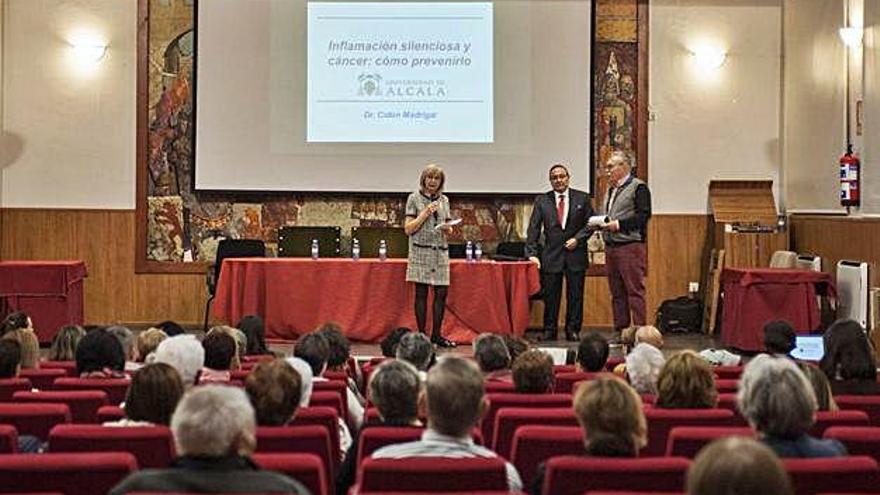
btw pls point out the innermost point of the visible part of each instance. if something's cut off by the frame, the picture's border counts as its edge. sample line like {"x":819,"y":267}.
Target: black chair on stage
{"x":396,"y":241}
{"x":510,"y":251}
{"x":230,"y":248}
{"x":296,"y":241}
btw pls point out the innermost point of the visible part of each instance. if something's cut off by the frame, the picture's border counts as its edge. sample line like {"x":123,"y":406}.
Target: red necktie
{"x":560,"y":209}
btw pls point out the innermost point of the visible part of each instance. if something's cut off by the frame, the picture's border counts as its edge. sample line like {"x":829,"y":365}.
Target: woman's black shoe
{"x":441,"y":341}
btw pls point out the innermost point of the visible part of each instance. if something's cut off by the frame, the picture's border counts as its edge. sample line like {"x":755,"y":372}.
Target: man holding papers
{"x":562,"y":215}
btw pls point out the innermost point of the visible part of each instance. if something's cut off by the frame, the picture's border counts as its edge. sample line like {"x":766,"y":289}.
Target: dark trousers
{"x":625,"y":266}
{"x":551,"y":284}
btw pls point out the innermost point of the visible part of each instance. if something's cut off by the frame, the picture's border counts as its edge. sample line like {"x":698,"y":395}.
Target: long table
{"x":369,"y":297}
{"x":50,"y":292}
{"x":756,"y":296}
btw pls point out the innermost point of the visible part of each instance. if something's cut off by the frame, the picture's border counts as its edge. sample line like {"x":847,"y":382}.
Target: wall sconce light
{"x":90,"y":53}
{"x":851,"y":36}
{"x":708,"y":57}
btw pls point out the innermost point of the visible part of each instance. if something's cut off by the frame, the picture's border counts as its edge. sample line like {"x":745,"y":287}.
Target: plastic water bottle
{"x":314,"y":249}
{"x":469,"y":251}
{"x":383,"y":250}
{"x":478,"y":252}
{"x":355,"y":249}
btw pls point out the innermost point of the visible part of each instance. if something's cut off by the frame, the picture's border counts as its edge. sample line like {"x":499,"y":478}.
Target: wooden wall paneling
{"x":837,"y":238}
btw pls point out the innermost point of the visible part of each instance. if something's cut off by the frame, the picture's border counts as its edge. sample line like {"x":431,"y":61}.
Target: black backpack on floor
{"x":680,"y":315}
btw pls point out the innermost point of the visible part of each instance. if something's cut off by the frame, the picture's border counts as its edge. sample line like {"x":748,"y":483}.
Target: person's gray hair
{"x":643,"y":365}
{"x":305,"y":373}
{"x":215,"y":421}
{"x":185,"y":353}
{"x":125,"y":337}
{"x":491,"y":352}
{"x":394,"y":389}
{"x":416,"y":349}
{"x":621,"y":157}
{"x":775,"y":397}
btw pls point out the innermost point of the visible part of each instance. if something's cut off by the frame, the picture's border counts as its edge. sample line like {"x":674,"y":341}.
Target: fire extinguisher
{"x":849,"y":178}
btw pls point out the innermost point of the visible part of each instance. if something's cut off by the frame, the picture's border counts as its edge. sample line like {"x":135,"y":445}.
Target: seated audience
{"x":314,"y":349}
{"x":185,"y":354}
{"x":416,"y":349}
{"x":643,"y":365}
{"x":337,"y":360}
{"x":516,"y":345}
{"x":737,"y":466}
{"x":778,"y":402}
{"x":848,"y":361}
{"x":100,"y":355}
{"x":454,"y":400}
{"x":255,"y":331}
{"x":152,"y":396}
{"x":18,"y":326}
{"x":275,"y":390}
{"x":63,"y":347}
{"x":305,"y":376}
{"x":219,"y":352}
{"x":147,"y":342}
{"x":492,"y":357}
{"x":215,"y":434}
{"x":779,"y":338}
{"x":394,"y":389}
{"x":686,"y":381}
{"x":126,"y":340}
{"x":10,"y":358}
{"x":171,"y":328}
{"x":238,"y":338}
{"x":610,"y":414}
{"x":389,"y":343}
{"x":649,"y":334}
{"x":533,"y":373}
{"x":592,"y":353}
{"x":821,"y":386}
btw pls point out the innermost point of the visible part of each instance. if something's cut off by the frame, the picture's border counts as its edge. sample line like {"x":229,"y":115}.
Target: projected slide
{"x":400,"y":72}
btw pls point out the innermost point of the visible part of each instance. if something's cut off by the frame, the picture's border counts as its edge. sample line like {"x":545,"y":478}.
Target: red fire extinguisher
{"x":849,"y":178}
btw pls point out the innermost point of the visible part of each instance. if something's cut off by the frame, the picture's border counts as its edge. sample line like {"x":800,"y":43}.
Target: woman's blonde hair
{"x":686,"y":381}
{"x":432,"y":170}
{"x":610,"y":413}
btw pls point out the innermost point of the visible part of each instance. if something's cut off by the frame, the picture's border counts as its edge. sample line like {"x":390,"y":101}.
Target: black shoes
{"x":441,"y":341}
{"x":572,"y":336}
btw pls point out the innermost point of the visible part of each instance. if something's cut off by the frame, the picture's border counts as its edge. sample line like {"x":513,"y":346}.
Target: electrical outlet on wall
{"x":693,"y":287}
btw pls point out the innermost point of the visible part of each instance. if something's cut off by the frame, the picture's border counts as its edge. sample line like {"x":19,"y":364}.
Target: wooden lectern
{"x":745,"y":222}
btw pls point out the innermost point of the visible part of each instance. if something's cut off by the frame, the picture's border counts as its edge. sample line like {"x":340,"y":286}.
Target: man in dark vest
{"x":628,"y":208}
{"x":562,"y":214}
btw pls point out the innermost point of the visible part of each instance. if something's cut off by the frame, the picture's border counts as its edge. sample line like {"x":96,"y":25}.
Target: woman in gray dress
{"x":427,"y":212}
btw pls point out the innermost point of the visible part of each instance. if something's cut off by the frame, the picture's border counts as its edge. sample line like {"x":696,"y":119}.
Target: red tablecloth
{"x":50,"y":292}
{"x":368,"y":297}
{"x":755,"y":296}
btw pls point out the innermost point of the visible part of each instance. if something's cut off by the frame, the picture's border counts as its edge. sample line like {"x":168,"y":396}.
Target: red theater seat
{"x":333,"y":386}
{"x":9,"y":386}
{"x":116,"y":388}
{"x":34,"y":419}
{"x":336,"y":376}
{"x":840,"y":474}
{"x":321,"y":416}
{"x":859,"y":440}
{"x":827,"y":419}
{"x":110,"y":413}
{"x":308,"y":469}
{"x":71,"y":474}
{"x":497,"y":401}
{"x":69,"y":367}
{"x":533,"y":445}
{"x":728,"y":372}
{"x":42,"y":378}
{"x":83,"y":404}
{"x":573,"y":475}
{"x":434,"y":473}
{"x":257,"y":358}
{"x":565,"y":381}
{"x":499,"y":386}
{"x":312,"y":439}
{"x":686,"y":441}
{"x":328,"y":398}
{"x":868,"y":403}
{"x":376,"y":437}
{"x":8,"y":439}
{"x":153,"y":446}
{"x":726,"y":386}
{"x":509,"y":419}
{"x":661,"y":421}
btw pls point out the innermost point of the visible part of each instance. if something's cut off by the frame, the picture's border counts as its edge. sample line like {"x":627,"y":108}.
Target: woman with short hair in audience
{"x":63,"y":347}
{"x":100,"y":355}
{"x":737,"y":466}
{"x":19,"y":327}
{"x":516,"y":345}
{"x":821,"y":386}
{"x":219,"y":352}
{"x":237,"y":337}
{"x":254,"y":330}
{"x":686,"y":382}
{"x":610,"y":414}
{"x":147,"y":341}
{"x":533,"y":373}
{"x":275,"y":390}
{"x":306,"y":377}
{"x":779,"y":403}
{"x":848,"y":361}
{"x":152,"y":396}
{"x":643,"y":365}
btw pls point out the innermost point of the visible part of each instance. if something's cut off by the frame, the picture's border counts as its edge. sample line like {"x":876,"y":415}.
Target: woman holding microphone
{"x":427,"y":214}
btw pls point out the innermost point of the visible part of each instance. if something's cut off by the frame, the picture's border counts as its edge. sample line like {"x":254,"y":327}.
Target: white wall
{"x":73,"y":127}
{"x":722,"y":124}
{"x":871,"y":151}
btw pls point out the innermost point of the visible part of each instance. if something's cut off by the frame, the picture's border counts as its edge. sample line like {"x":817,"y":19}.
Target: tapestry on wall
{"x":183,"y":226}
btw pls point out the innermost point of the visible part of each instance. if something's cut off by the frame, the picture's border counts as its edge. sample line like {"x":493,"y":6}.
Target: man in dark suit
{"x":562,"y":214}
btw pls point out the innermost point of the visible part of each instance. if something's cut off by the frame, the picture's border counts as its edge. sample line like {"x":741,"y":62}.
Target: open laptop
{"x":808,"y":348}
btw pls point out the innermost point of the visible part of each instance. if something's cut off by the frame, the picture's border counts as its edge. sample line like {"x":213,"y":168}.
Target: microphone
{"x":433,"y":199}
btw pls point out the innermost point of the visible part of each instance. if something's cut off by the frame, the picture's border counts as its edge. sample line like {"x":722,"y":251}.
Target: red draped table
{"x":755,"y":296}
{"x":368,"y":297}
{"x":50,"y":292}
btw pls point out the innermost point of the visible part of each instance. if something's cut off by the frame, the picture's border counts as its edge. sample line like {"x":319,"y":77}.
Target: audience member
{"x":337,"y":360}
{"x":492,"y":357}
{"x":642,"y":367}
{"x":219,"y":352}
{"x":255,"y":331}
{"x":389,"y":343}
{"x":848,"y":361}
{"x":306,"y":378}
{"x":394,"y":389}
{"x":18,"y":326}
{"x":185,"y":354}
{"x":592,"y":353}
{"x":533,"y":372}
{"x":737,"y":466}
{"x":275,"y":391}
{"x":171,"y":328}
{"x":454,"y":400}
{"x":648,"y":334}
{"x":126,"y":340}
{"x":215,"y":433}
{"x":516,"y":345}
{"x":416,"y":349}
{"x":147,"y":342}
{"x":686,"y":381}
{"x":779,"y":338}
{"x":152,"y":396}
{"x":778,"y":402}
{"x":238,"y":339}
{"x":314,"y":349}
{"x":10,"y":358}
{"x":821,"y":386}
{"x":63,"y":347}
{"x":100,"y":355}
